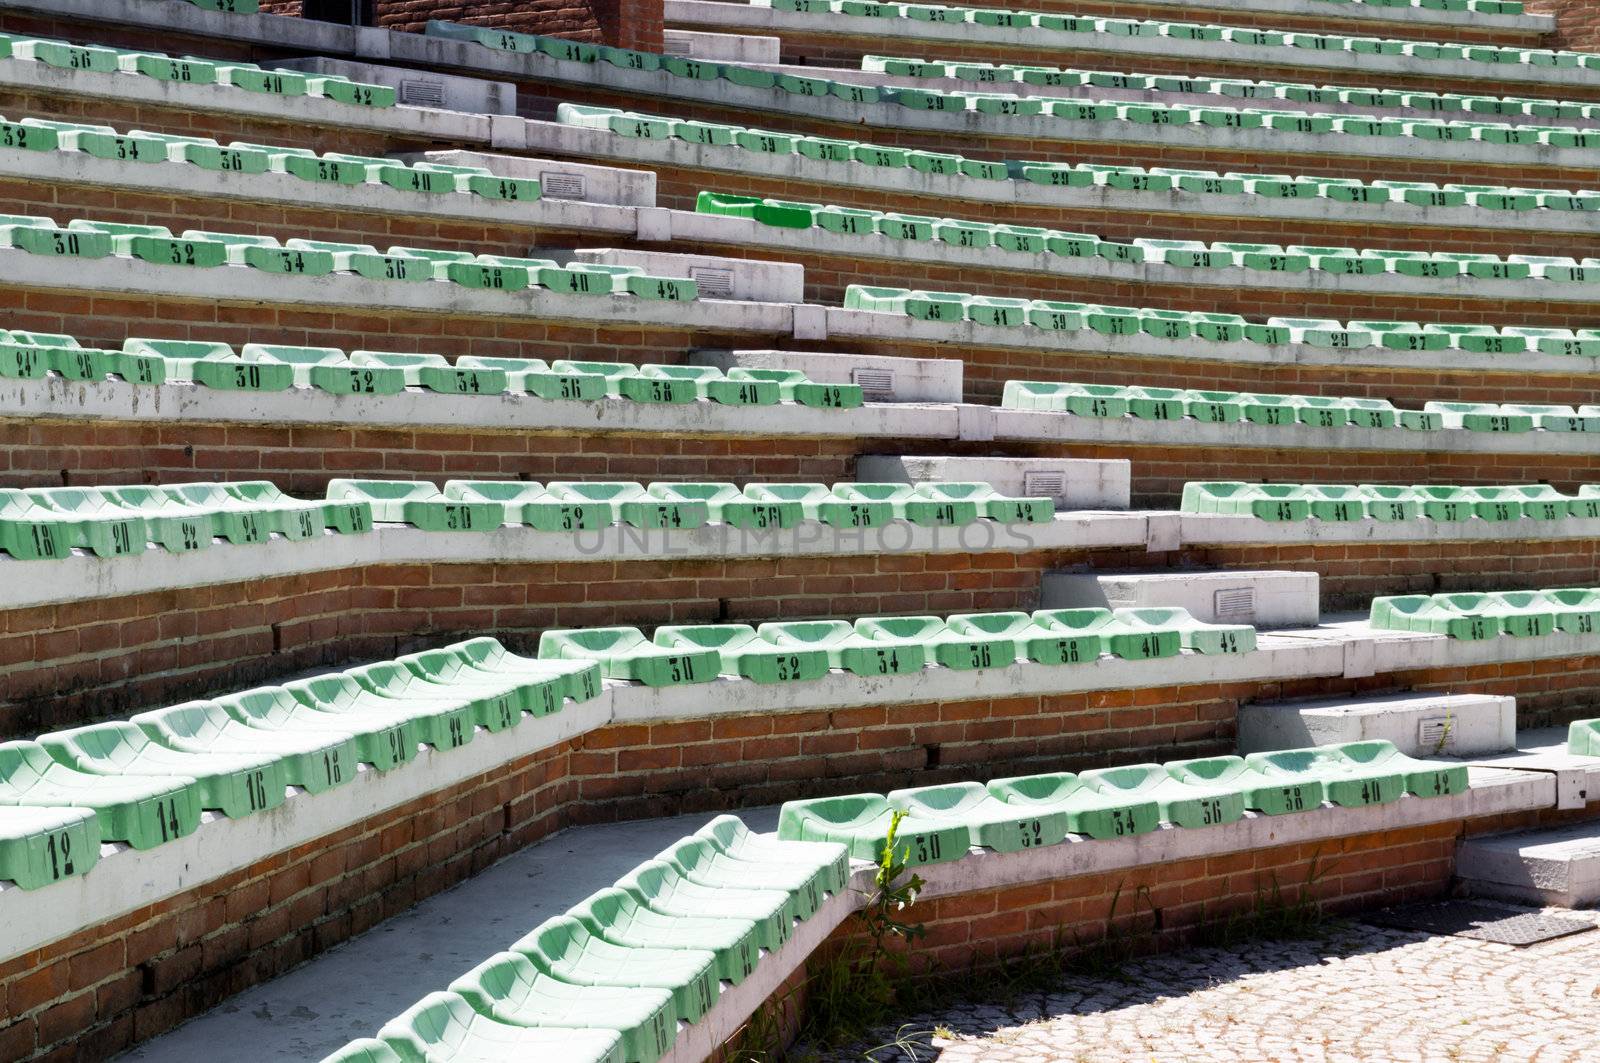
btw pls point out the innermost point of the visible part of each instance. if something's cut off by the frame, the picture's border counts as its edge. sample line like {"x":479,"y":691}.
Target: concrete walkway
{"x":355,"y":988}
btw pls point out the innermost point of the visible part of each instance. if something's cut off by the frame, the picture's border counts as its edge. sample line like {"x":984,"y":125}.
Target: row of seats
{"x":146,"y":781}
{"x":1186,"y":254}
{"x":795,"y":651}
{"x":616,"y":977}
{"x":192,"y":70}
{"x":139,"y":147}
{"x":484,"y":505}
{"x":1052,"y":316}
{"x":1348,"y":502}
{"x":50,"y":522}
{"x":1234,"y":43}
{"x":279,"y":367}
{"x":942,"y":822}
{"x":1228,"y":407}
{"x":1523,"y":614}
{"x":157,"y":245}
{"x":1298,"y":92}
{"x":1075,"y":109}
{"x":1160,"y":180}
{"x":1583,"y":738}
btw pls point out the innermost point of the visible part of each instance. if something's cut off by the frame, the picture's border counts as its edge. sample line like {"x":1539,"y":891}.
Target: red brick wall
{"x":1577,"y":22}
{"x":624,"y":23}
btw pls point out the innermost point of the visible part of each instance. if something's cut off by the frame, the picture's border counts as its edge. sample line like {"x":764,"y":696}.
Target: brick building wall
{"x":622,"y":23}
{"x":1577,"y":22}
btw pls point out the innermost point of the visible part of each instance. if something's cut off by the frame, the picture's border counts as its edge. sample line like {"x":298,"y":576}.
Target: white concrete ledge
{"x":1208,"y":529}
{"x":84,"y":576}
{"x":732,"y":17}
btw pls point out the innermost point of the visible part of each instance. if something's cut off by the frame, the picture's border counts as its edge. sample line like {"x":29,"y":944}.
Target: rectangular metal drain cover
{"x":1482,"y":922}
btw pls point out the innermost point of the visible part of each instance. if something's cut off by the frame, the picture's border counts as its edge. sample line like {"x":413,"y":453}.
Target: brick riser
{"x":65,"y":664}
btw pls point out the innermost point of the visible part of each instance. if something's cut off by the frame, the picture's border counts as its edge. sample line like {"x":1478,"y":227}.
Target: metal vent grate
{"x":715,"y":283}
{"x":1505,"y":925}
{"x":873,"y":381}
{"x":1043,"y":482}
{"x":679,"y":46}
{"x":422,"y":93}
{"x":561,"y":185}
{"x":1234,"y":604}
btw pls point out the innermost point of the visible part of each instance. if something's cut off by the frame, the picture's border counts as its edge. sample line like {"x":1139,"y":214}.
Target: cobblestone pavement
{"x":1361,"y":995}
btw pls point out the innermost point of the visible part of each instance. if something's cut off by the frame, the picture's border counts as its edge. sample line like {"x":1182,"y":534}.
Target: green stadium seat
{"x":236,"y":784}
{"x":508,"y":988}
{"x":87,"y":519}
{"x":418,"y":504}
{"x":660,"y":887}
{"x":1576,"y":609}
{"x":142,"y":810}
{"x":443,"y":1028}
{"x":534,"y":376}
{"x":367,"y":261}
{"x":564,"y":948}
{"x":846,"y":648}
{"x":1275,"y":797}
{"x":861,"y":823}
{"x":1464,"y":616}
{"x":724,"y":854}
{"x":1088,"y":811}
{"x":1084,"y":634}
{"x":1348,"y":784}
{"x":488,"y":655}
{"x":348,"y":517}
{"x":991,"y":504}
{"x":379,"y":737}
{"x":1423,"y":778}
{"x":613,"y":915}
{"x":212,"y":364}
{"x":253,"y":520}
{"x":908,"y":504}
{"x":441,"y":723}
{"x":744,"y":655}
{"x":1583,"y":738}
{"x":177,"y":526}
{"x":266,"y":254}
{"x":1584,"y":343}
{"x":314,"y":762}
{"x":624,"y":653}
{"x":41,"y":845}
{"x":1270,"y":502}
{"x":364,"y":1050}
{"x":709,"y":383}
{"x":1552,"y":418}
{"x":1479,"y":417}
{"x":947,"y":648}
{"x":625,"y":381}
{"x":631,"y":502}
{"x":989,"y":821}
{"x":1183,"y":804}
{"x":819,"y":503}
{"x":435,"y":373}
{"x":327,"y":369}
{"x":498,"y":702}
{"x":1030,"y":640}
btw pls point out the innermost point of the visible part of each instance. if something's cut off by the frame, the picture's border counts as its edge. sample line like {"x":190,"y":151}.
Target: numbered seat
{"x":177,"y":526}
{"x":1029,"y":641}
{"x":380,"y":738}
{"x":991,"y":504}
{"x":211,"y":364}
{"x":990,"y":822}
{"x":1276,"y":797}
{"x":313,"y":762}
{"x":498,"y":702}
{"x":947,"y":648}
{"x":727,"y":504}
{"x":1347,"y":784}
{"x":93,"y":523}
{"x":443,"y":1028}
{"x":41,"y":845}
{"x":1480,"y":417}
{"x":1183,"y":804}
{"x":744,"y":655}
{"x":508,"y":988}
{"x":235,"y":784}
{"x":1088,"y":811}
{"x":155,"y":243}
{"x":1082,"y":635}
{"x":805,"y":871}
{"x":1423,"y":778}
{"x":819,"y":503}
{"x":660,"y":887}
{"x":142,"y":810}
{"x":345,"y":516}
{"x":629,"y":501}
{"x":242,"y":520}
{"x":418,"y":504}
{"x":860,"y":822}
{"x":1583,"y":738}
{"x":794,"y":386}
{"x":265,"y":253}
{"x":614,"y":916}
{"x":564,"y":948}
{"x":486,"y":654}
{"x":846,"y":648}
{"x":709,"y":383}
{"x":1270,"y":502}
{"x":435,"y":373}
{"x":1576,"y":609}
{"x":624,"y":653}
{"x":535,"y":377}
{"x":443,"y":724}
{"x":364,"y":260}
{"x":452,"y":710}
{"x":906,"y":504}
{"x":627,"y":381}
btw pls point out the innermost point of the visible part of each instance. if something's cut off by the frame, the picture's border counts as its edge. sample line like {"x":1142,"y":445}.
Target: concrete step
{"x":419,"y":88}
{"x":1263,"y":598}
{"x":746,"y":279}
{"x":1072,"y":483}
{"x":1421,"y":725}
{"x":881,"y":378}
{"x":1560,"y":866}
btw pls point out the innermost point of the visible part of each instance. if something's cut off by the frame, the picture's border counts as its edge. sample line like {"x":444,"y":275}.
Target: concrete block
{"x":420,"y":88}
{"x":1265,"y":599}
{"x":1072,"y":483}
{"x":723,"y":47}
{"x":560,"y":179}
{"x":718,"y":278}
{"x":883,"y":379}
{"x":1422,"y":725}
{"x":1560,"y":866}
